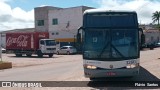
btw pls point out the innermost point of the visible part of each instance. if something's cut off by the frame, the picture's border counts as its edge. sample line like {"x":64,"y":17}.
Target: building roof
{"x":55,"y":8}
{"x":20,"y":30}
{"x":48,"y":7}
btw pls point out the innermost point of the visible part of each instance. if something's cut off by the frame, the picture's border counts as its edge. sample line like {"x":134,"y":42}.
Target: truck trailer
{"x":30,"y":43}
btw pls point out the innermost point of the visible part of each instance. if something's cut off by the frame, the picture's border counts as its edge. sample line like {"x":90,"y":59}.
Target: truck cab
{"x":46,"y":47}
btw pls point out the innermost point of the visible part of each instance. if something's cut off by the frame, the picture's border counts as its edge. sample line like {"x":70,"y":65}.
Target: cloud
{"x":13,"y":18}
{"x":144,"y":8}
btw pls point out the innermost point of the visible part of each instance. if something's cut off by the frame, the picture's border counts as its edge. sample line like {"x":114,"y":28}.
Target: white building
{"x":61,"y":23}
{"x":152,"y":36}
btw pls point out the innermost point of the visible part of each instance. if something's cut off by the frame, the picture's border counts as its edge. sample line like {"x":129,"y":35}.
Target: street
{"x":50,"y":69}
{"x":69,"y":68}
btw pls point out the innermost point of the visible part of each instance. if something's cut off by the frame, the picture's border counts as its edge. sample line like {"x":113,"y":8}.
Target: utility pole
{"x":1,"y":46}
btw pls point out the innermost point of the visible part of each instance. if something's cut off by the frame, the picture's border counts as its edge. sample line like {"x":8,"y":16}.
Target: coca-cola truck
{"x":30,"y":43}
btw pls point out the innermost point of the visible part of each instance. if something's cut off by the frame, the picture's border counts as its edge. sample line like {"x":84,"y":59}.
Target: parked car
{"x":3,"y":50}
{"x":158,"y":44}
{"x":66,"y":50}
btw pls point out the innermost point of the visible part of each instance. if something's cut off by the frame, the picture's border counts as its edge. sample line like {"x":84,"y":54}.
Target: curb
{"x":5,"y":65}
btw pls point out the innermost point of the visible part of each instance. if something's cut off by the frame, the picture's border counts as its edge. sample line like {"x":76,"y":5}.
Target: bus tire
{"x":92,"y":79}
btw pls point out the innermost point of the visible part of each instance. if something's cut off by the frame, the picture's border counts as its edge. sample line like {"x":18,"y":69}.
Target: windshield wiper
{"x":110,"y":52}
{"x":103,"y":50}
{"x":118,"y":51}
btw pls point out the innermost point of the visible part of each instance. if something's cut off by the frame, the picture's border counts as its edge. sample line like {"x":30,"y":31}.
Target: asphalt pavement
{"x":69,"y":68}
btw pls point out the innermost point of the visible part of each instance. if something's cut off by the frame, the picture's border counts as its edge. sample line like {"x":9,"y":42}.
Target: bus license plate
{"x":111,"y":73}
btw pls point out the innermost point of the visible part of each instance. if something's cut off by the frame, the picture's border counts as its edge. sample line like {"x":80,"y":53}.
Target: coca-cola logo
{"x":20,"y":41}
{"x":42,"y":35}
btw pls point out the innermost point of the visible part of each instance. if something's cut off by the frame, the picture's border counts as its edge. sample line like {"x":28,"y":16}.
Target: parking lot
{"x":69,"y":68}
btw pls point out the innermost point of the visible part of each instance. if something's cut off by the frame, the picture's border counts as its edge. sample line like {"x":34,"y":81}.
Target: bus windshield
{"x":110,"y":36}
{"x":110,"y":44}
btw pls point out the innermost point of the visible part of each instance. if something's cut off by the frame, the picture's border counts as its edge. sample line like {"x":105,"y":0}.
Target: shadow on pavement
{"x":126,"y":83}
{"x":45,"y":56}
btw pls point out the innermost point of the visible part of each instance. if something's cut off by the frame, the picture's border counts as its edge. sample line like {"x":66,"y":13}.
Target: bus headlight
{"x":90,"y":66}
{"x":132,"y":65}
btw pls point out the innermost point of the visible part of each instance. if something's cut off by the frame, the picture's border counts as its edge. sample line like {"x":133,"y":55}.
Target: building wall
{"x":152,"y":36}
{"x":69,"y":20}
{"x":41,"y":13}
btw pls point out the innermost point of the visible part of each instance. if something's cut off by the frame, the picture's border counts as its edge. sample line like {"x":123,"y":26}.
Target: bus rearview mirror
{"x":142,"y":38}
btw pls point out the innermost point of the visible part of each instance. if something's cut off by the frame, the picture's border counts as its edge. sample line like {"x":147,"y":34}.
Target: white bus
{"x":110,"y":43}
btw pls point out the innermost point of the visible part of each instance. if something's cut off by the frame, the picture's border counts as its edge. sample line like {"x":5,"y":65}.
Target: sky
{"x":16,"y":14}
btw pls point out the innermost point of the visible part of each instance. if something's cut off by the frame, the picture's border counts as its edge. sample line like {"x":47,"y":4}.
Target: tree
{"x":156,"y":17}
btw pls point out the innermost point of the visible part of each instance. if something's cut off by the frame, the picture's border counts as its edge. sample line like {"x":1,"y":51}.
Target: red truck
{"x":30,"y":43}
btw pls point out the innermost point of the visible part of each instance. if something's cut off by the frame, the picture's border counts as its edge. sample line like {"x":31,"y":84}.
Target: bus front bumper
{"x":89,"y":73}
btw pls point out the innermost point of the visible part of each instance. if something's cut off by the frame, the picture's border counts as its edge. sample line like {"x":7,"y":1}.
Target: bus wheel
{"x":93,"y":79}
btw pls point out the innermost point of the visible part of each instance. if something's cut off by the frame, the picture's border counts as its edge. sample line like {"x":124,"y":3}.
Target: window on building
{"x":57,"y":33}
{"x":54,"y":21}
{"x":40,"y":22}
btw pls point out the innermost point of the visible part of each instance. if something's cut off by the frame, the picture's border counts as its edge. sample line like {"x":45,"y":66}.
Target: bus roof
{"x":104,"y":11}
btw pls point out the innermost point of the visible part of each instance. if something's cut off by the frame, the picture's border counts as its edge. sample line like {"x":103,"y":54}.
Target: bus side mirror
{"x":142,"y":39}
{"x":79,"y":35}
{"x":142,"y":36}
